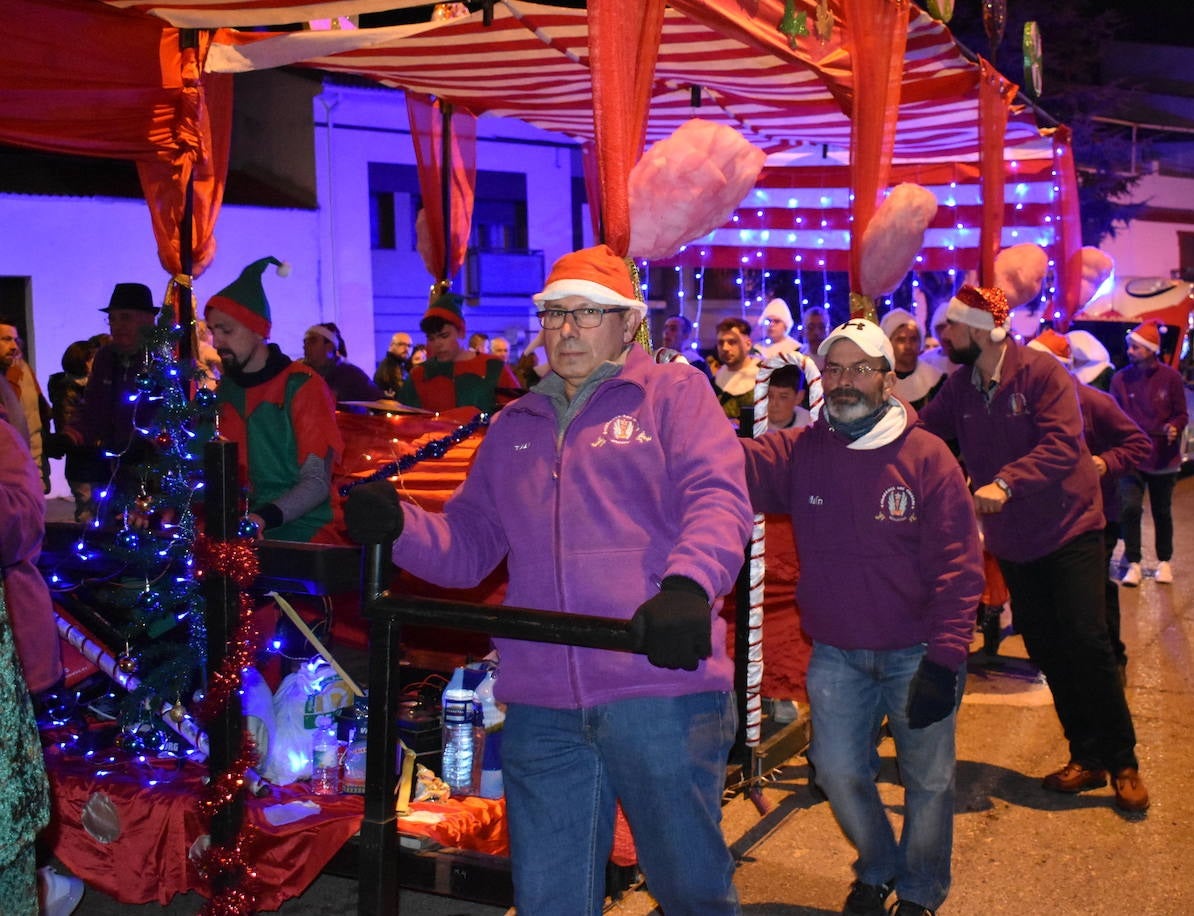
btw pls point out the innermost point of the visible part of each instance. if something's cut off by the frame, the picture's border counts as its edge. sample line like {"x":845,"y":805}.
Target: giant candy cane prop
{"x":754,"y":665}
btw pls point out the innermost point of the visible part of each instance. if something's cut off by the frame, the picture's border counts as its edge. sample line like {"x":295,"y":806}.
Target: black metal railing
{"x":379,"y":844}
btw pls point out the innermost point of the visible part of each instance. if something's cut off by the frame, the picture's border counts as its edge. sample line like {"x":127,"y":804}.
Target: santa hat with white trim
{"x":596,"y":274}
{"x":1056,"y":345}
{"x":1147,"y":335}
{"x":982,"y":307}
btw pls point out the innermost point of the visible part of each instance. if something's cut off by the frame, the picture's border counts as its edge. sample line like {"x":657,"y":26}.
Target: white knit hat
{"x":895,"y":319}
{"x":777,"y":308}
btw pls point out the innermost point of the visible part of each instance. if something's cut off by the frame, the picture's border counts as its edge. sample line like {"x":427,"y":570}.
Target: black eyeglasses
{"x":587,"y":317}
{"x":833,"y":371}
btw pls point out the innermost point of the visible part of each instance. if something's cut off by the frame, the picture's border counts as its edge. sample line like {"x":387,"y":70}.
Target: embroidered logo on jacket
{"x":897,"y":504}
{"x":621,"y":430}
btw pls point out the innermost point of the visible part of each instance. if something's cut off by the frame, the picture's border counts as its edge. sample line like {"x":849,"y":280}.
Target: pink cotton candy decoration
{"x":687,"y":185}
{"x":1020,"y":271}
{"x":894,"y":236}
{"x":1096,"y":268}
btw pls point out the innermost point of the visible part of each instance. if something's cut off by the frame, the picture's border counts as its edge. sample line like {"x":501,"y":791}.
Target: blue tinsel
{"x":436,"y":448}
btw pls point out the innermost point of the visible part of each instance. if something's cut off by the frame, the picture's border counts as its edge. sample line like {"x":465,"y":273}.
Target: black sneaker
{"x":867,"y":899}
{"x":908,"y":908}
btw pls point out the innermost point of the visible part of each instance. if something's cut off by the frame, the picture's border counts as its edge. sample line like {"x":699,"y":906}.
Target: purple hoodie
{"x":1030,"y":436}
{"x":644,"y":482}
{"x":1155,"y":398}
{"x":885,"y":530}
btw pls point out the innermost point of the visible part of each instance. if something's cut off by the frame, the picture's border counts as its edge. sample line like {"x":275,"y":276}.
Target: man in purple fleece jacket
{"x":577,"y":486}
{"x":890,"y":638}
{"x":1152,"y":394}
{"x":1117,"y":446}
{"x":1016,"y":417}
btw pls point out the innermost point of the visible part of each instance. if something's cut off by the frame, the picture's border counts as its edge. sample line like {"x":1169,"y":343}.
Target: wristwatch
{"x":1003,"y":485}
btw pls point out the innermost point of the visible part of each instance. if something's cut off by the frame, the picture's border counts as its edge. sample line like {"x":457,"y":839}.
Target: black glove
{"x":932,"y":694}
{"x":372,"y":513}
{"x":674,"y":628}
{"x":57,"y":445}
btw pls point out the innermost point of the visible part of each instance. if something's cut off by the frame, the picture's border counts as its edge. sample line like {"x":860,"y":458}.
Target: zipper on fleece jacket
{"x":557,"y":476}
{"x":569,"y":651}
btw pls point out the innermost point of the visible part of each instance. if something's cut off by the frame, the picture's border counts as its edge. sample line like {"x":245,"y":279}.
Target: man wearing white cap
{"x":776,"y":322}
{"x":613,"y":488}
{"x":889,"y":638}
{"x":1015,"y":416}
{"x":915,"y":380}
{"x":1152,"y":394}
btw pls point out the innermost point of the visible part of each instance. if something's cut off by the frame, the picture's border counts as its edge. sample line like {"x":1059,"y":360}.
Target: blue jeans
{"x":664,"y":758}
{"x":849,"y":693}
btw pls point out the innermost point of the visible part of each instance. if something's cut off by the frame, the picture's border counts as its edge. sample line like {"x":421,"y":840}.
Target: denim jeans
{"x":1160,"y":504}
{"x":663,"y":758}
{"x":849,"y":693}
{"x":1057,"y":606}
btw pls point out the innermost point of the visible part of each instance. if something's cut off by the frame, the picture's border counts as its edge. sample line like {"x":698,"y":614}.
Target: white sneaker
{"x":1133,"y":576}
{"x":1164,"y":573}
{"x":59,"y":894}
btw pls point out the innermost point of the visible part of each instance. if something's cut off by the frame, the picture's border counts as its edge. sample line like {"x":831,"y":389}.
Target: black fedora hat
{"x":136,"y":297}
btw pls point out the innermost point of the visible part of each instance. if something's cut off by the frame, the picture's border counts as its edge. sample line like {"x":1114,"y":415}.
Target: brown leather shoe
{"x":1074,"y":777}
{"x":1130,"y":793}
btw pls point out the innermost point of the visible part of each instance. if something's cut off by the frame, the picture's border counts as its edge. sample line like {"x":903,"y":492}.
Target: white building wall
{"x":371,"y":125}
{"x":74,"y":250}
{"x":1148,"y":248}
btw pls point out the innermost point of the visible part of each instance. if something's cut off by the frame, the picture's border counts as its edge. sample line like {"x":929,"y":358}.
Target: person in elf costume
{"x":454,"y":375}
{"x":279,"y":412}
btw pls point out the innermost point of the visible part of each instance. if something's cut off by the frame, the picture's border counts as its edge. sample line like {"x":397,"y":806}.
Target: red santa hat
{"x":1147,"y":335}
{"x":1056,"y":345}
{"x":983,"y":307}
{"x":596,"y":274}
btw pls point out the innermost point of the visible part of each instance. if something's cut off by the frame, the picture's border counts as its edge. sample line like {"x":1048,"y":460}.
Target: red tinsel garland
{"x":237,"y":560}
{"x":226,"y":868}
{"x":238,"y":656}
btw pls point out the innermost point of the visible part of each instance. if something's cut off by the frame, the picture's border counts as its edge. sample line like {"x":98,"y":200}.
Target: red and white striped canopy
{"x":719,"y":61}
{"x":532,"y":63}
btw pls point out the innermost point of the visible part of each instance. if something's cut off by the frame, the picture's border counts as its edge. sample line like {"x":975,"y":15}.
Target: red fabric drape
{"x":623,"y":45}
{"x":591,"y":167}
{"x":202,"y":134}
{"x":427,"y":129}
{"x":122,"y":90}
{"x":995,"y":97}
{"x":1069,"y":226}
{"x":876,"y":35}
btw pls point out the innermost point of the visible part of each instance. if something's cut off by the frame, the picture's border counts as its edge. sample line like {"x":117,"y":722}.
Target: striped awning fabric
{"x":532,"y":63}
{"x":717,"y":61}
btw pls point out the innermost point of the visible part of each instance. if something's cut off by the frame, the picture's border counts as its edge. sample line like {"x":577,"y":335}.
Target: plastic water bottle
{"x":352,"y":780}
{"x":463,"y":741}
{"x":325,"y":761}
